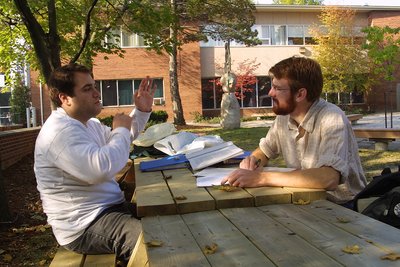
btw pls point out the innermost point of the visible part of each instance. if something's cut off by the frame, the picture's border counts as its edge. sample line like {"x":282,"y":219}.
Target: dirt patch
{"x":27,"y":240}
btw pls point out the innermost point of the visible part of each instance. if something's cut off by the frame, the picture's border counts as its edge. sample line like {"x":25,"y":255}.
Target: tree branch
{"x":87,"y":32}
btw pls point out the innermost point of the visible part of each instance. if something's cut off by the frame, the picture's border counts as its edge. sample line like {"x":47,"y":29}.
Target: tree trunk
{"x":46,"y":46}
{"x":173,"y":76}
{"x":5,"y":215}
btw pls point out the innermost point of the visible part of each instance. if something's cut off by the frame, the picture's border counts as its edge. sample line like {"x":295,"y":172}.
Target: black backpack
{"x":380,"y":199}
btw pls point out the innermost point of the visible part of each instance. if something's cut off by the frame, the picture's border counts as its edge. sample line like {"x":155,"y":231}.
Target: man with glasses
{"x":313,"y":136}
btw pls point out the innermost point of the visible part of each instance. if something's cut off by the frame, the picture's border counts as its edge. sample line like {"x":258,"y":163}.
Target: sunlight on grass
{"x":372,"y":161}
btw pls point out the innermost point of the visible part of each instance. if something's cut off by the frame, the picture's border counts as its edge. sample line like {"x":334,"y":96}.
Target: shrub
{"x":158,"y":116}
{"x":19,"y":101}
{"x":107,"y":121}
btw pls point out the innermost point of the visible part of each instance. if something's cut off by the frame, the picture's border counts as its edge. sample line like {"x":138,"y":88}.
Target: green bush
{"x":107,"y":120}
{"x":156,"y":117}
{"x":19,"y":101}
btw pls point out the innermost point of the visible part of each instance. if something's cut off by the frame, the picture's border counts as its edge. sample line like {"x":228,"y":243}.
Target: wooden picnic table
{"x":317,"y":234}
{"x":175,"y":192}
{"x":184,"y":225}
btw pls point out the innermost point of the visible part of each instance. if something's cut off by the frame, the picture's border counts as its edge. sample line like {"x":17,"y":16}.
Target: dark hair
{"x":62,"y":81}
{"x":301,"y":72}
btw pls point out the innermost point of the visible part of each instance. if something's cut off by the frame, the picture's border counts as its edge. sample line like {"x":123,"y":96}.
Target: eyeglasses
{"x":278,"y":89}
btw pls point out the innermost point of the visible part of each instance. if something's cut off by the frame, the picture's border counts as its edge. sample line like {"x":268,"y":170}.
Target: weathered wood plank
{"x":139,"y":255}
{"x":306,"y":194}
{"x":228,"y":199}
{"x":188,"y":197}
{"x":104,"y":260}
{"x":384,"y":236}
{"x":66,"y":258}
{"x":152,"y":195}
{"x":382,"y":133}
{"x":178,"y":247}
{"x":324,"y":235}
{"x":280,"y":244}
{"x":270,"y":195}
{"x":233,"y":248}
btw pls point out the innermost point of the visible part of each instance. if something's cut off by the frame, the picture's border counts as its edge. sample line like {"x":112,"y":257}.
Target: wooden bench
{"x":353,"y":118}
{"x":64,"y":258}
{"x":381,"y":137}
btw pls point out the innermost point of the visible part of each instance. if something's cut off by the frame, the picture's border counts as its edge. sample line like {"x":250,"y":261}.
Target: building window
{"x":345,"y":98}
{"x":250,"y":95}
{"x":123,"y":38}
{"x":120,"y":92}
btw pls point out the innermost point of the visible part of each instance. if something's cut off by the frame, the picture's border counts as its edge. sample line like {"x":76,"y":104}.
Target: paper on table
{"x":185,"y":142}
{"x":213,"y":176}
{"x":212,"y":155}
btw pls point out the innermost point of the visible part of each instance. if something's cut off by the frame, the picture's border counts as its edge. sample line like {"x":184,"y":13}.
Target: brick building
{"x":284,"y":33}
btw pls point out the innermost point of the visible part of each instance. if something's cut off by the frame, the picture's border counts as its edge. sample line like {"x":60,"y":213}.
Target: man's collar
{"x":309,"y":119}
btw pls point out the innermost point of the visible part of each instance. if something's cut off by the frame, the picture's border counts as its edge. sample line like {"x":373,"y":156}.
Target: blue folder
{"x":167,"y":163}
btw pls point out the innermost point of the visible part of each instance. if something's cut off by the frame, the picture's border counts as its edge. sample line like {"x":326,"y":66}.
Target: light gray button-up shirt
{"x":324,"y":138}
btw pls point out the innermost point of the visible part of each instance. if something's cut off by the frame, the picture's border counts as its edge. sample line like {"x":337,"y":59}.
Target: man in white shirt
{"x":313,"y":136}
{"x":76,"y":160}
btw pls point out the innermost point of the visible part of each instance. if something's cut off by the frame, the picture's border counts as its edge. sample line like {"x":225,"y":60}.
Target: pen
{"x":258,"y":162}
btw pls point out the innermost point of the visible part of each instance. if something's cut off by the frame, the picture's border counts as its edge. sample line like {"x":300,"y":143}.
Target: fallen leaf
{"x":7,"y":258}
{"x":352,"y":249}
{"x":343,"y":219}
{"x":226,"y":188}
{"x":154,"y":243}
{"x":180,"y":197}
{"x":391,"y":256}
{"x":210,"y":249}
{"x":42,"y":262}
{"x":168,"y":177}
{"x":301,"y":202}
{"x":2,"y":251}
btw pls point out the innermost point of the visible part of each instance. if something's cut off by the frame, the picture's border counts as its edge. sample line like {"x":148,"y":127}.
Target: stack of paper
{"x":212,"y":155}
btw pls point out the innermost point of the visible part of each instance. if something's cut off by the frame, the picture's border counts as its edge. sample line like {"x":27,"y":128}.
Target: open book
{"x":212,"y":155}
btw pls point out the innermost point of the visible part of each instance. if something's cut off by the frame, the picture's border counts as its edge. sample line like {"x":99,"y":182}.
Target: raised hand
{"x":143,"y":98}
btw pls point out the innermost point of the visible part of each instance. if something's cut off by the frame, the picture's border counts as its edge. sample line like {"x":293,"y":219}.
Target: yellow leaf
{"x":391,"y":256}
{"x":210,"y":249}
{"x":154,"y":243}
{"x":226,"y":188}
{"x":42,"y":262}
{"x":342,"y":219}
{"x":7,"y":258}
{"x":352,"y":249}
{"x":180,"y":198}
{"x":41,"y":229}
{"x":301,"y":202}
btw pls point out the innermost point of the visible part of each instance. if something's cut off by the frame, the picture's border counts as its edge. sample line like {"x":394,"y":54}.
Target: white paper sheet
{"x":213,"y":176}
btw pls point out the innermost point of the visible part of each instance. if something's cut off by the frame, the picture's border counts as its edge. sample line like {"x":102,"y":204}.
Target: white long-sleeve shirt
{"x":75,"y":168}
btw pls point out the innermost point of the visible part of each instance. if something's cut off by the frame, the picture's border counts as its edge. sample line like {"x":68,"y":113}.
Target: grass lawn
{"x":247,"y":138}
